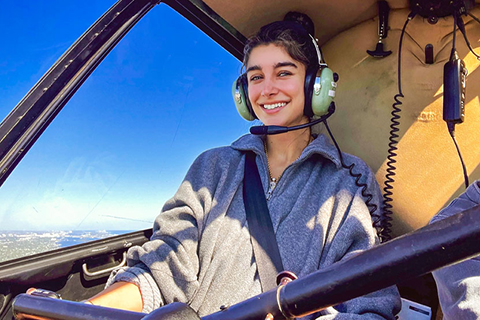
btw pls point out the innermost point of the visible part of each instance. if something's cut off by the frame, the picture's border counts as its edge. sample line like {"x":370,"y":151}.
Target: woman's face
{"x":276,"y":86}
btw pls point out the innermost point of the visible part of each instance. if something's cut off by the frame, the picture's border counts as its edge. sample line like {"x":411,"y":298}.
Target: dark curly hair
{"x":286,"y":34}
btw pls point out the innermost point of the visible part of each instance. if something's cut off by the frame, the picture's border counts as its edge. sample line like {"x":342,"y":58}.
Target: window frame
{"x":32,"y":115}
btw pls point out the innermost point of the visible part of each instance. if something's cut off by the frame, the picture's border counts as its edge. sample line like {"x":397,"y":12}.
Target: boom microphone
{"x":261,"y":130}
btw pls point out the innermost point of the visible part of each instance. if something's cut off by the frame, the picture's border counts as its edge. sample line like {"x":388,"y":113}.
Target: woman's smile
{"x":273,"y":106}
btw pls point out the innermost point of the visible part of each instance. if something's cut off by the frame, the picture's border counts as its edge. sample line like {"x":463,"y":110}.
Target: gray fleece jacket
{"x":458,"y":285}
{"x":200,"y":252}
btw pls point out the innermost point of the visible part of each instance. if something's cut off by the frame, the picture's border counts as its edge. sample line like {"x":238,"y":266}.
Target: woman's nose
{"x":269,"y":87}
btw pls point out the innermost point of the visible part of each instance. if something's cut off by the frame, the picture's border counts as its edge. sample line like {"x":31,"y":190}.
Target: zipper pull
{"x":273,"y":184}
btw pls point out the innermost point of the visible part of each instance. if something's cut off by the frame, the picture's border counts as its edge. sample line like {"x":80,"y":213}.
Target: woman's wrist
{"x":120,"y":295}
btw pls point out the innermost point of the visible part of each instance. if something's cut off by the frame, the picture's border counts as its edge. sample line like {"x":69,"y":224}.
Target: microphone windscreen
{"x":258,"y":130}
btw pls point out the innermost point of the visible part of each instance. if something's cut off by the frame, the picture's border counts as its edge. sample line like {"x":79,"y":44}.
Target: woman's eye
{"x":255,"y":78}
{"x":284,"y":73}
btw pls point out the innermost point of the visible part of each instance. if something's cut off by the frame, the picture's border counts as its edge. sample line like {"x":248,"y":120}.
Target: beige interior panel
{"x":428,"y":173}
{"x":330,"y":17}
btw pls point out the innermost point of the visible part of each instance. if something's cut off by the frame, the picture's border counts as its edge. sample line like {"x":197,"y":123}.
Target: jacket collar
{"x":320,"y":145}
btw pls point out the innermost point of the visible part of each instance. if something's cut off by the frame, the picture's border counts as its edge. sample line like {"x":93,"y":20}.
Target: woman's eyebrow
{"x":275,"y":66}
{"x":253,"y":68}
{"x":285,"y":64}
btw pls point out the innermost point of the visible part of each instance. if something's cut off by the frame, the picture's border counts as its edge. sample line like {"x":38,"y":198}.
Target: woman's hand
{"x":120,"y":295}
{"x":43,"y":293}
{"x":39,"y":293}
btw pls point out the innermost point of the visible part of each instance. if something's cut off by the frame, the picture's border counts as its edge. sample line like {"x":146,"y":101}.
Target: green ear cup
{"x":240,"y":100}
{"x":323,"y":93}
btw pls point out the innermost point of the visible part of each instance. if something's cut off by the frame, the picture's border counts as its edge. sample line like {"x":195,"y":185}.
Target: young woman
{"x":201,"y":251}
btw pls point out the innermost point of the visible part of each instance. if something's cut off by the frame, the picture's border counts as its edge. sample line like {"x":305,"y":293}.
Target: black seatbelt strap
{"x":265,"y":247}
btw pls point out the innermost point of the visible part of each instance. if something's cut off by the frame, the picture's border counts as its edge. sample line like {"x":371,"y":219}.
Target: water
{"x":16,"y":244}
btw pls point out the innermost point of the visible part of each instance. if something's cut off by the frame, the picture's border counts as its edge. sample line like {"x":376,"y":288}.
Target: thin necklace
{"x":273,"y":181}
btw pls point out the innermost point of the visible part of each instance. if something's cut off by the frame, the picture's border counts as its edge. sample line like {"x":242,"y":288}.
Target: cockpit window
{"x":121,"y":146}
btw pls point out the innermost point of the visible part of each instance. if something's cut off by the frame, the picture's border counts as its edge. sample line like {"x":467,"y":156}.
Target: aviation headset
{"x":320,"y":81}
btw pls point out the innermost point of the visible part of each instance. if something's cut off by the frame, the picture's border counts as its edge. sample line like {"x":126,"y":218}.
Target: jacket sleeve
{"x":356,"y":234}
{"x":166,"y":267}
{"x":458,"y":285}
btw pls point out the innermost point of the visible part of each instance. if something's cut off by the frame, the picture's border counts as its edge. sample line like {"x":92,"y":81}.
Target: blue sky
{"x":123,"y":143}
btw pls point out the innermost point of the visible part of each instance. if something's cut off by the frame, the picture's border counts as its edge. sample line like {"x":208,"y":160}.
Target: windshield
{"x":121,"y":146}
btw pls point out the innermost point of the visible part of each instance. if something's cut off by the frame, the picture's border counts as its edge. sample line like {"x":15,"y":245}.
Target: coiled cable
{"x":377,"y":220}
{"x":392,"y":145}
